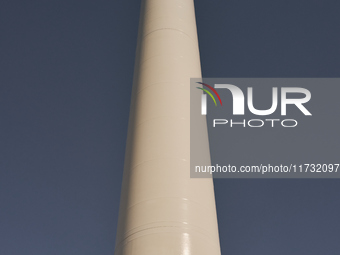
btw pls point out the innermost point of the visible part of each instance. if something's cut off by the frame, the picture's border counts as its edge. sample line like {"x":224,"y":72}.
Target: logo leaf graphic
{"x":208,"y":94}
{"x":213,"y":90}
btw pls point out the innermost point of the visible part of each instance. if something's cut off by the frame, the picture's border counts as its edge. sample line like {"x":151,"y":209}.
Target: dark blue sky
{"x":66,"y":72}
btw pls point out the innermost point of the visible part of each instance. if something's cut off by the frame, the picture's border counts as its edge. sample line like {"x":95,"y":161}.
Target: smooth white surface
{"x":163,"y":211}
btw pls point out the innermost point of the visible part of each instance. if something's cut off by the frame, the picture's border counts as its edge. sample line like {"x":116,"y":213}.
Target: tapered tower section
{"x":163,"y":211}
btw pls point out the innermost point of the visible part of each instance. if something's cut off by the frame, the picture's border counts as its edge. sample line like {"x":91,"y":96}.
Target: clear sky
{"x":66,"y":72}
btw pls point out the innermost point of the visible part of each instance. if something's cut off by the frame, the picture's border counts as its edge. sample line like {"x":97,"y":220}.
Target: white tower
{"x":163,"y":211}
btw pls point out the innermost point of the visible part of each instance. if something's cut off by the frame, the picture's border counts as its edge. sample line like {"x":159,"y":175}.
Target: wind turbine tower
{"x":163,"y":211}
